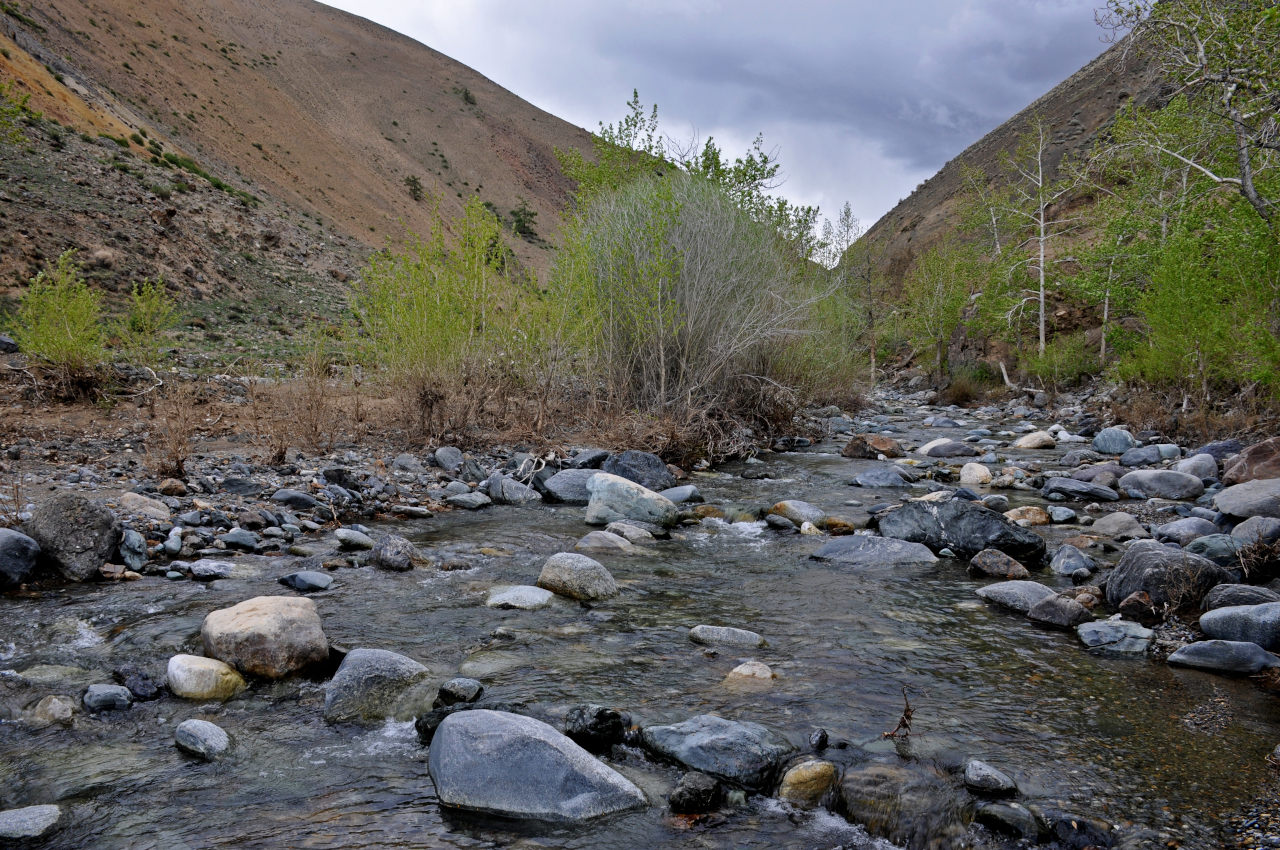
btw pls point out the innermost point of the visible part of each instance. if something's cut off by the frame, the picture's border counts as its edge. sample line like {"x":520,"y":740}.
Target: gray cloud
{"x":863,"y":99}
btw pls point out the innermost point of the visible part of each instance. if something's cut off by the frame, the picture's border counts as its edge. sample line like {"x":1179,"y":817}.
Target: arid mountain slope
{"x":1076,"y":109}
{"x":300,"y":104}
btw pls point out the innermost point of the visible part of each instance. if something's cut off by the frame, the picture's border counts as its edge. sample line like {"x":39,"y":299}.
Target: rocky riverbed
{"x":1074,"y":622}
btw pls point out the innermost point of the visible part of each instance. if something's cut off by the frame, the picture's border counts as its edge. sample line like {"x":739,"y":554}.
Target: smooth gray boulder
{"x":307,"y":581}
{"x":1201,"y":465}
{"x":1067,"y":559}
{"x":569,"y":486}
{"x":522,"y":596}
{"x":449,"y":458}
{"x":1171,"y":577}
{"x":102,"y":697}
{"x":1264,"y":528}
{"x":471,"y":501}
{"x":644,"y":468}
{"x":367,"y":685}
{"x":295,"y":499}
{"x":505,"y":764}
{"x":1118,"y":636}
{"x":1222,"y":549}
{"x":798,"y":512}
{"x":1161,"y":484}
{"x":966,"y":528}
{"x":1059,"y":612}
{"x":1260,"y":497}
{"x":613,"y":498}
{"x":202,"y":739}
{"x":18,"y":554}
{"x":947,"y":448}
{"x":1224,"y":656}
{"x":1141,"y":456}
{"x":861,"y":550}
{"x":133,"y":550}
{"x":681,"y":494}
{"x":725,"y":636}
{"x":1078,"y":491}
{"x":351,"y":540}
{"x":879,"y":477}
{"x":76,"y":535}
{"x":29,"y":822}
{"x":1183,"y":531}
{"x":1015,"y":595}
{"x":505,"y":490}
{"x":1121,"y":526}
{"x":396,"y":554}
{"x":1232,"y":595}
{"x":577,"y":577}
{"x":744,"y":753}
{"x":1258,"y":624}
{"x":1113,"y":441}
{"x":982,"y":778}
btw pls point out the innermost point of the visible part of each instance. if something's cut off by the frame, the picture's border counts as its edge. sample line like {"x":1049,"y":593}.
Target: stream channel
{"x":1121,"y":739}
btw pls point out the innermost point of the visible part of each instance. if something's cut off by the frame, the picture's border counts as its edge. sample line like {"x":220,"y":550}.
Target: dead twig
{"x":903,"y":729}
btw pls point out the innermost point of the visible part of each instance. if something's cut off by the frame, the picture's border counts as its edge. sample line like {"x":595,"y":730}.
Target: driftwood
{"x":903,"y":729}
{"x":1011,"y":385}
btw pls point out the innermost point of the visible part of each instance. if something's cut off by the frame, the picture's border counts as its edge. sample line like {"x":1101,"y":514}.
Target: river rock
{"x":1183,"y":531}
{"x":1067,"y":559}
{"x":863,"y":550}
{"x":613,"y":498}
{"x":1202,"y":466}
{"x":75,"y":534}
{"x":805,"y":784}
{"x":307,"y":581}
{"x":202,"y":739}
{"x":1059,"y":612}
{"x":946,"y":447}
{"x":725,"y":636}
{"x":1017,"y":596}
{"x":206,"y":569}
{"x":744,"y":753}
{"x":295,"y":499}
{"x":1233,"y":595}
{"x":993,"y":563}
{"x":29,"y":822}
{"x":1028,"y":515}
{"x":1008,"y":818}
{"x":1078,"y":491}
{"x":880,"y":476}
{"x":577,"y":577}
{"x":799,"y":512}
{"x":570,"y":486}
{"x":18,"y":554}
{"x":471,"y":501}
{"x":1258,"y":528}
{"x":605,"y":542}
{"x":982,"y":778}
{"x":396,"y":554}
{"x":1222,"y":549}
{"x":1118,"y":636}
{"x":1259,"y":624}
{"x":1161,"y":484}
{"x":240,"y":539}
{"x":1035,"y":440}
{"x":643,"y":468}
{"x":682,"y":494}
{"x":912,"y":807}
{"x":508,"y":765}
{"x":1141,"y":456}
{"x":268,"y":636}
{"x":1169,"y":576}
{"x":1113,"y":441}
{"x":194,"y":677}
{"x":107,"y":698}
{"x":367,"y":684}
{"x":1224,"y":656}
{"x":632,"y":533}
{"x":696,"y":794}
{"x":133,"y":550}
{"x":449,"y":458}
{"x":350,"y":540}
{"x":871,"y":447}
{"x":524,"y":597}
{"x":458,"y":691}
{"x":1121,"y":526}
{"x":966,"y":528}
{"x":1261,"y":460}
{"x":595,"y":727}
{"x":974,"y":473}
{"x":144,"y":506}
{"x":1259,"y":497}
{"x":505,"y":490}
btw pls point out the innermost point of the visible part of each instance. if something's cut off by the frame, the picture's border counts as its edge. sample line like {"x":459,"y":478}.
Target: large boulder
{"x":880,"y":476}
{"x":1258,"y":528}
{"x":1183,"y":531}
{"x":18,"y":554}
{"x":799,"y":512}
{"x":505,"y":490}
{"x":910,"y":806}
{"x":1201,"y":465}
{"x":946,"y":447}
{"x":1121,"y":526}
{"x":1224,"y":656}
{"x":577,"y":577}
{"x":1115,"y":636}
{"x":993,"y":563}
{"x":1259,"y":497}
{"x":643,"y":468}
{"x":1113,"y":441}
{"x":1170,"y":577}
{"x":966,"y":528}
{"x":871,"y":446}
{"x":1261,"y":460}
{"x":1161,"y":484}
{"x":367,"y":684}
{"x":1258,"y":624}
{"x":268,"y":636}
{"x":512,"y":766}
{"x":397,"y":554}
{"x":611,"y":498}
{"x":76,"y":535}
{"x":1229,"y":595}
{"x":860,"y":550}
{"x":744,"y":753}
{"x":570,"y":486}
{"x":1059,"y":612}
{"x":1020,"y":596}
{"x":1078,"y":491}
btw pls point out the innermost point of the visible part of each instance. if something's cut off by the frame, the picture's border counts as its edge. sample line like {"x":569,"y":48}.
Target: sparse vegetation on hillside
{"x":59,"y":325}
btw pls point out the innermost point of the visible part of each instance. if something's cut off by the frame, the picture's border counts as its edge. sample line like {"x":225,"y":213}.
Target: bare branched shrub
{"x":176,"y":419}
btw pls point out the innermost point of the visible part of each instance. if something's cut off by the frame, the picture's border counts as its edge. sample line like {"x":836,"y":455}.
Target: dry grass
{"x":175,"y":418}
{"x":1174,"y":414}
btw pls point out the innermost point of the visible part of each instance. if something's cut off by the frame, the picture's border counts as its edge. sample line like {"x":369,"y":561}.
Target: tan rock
{"x":50,"y":710}
{"x":268,"y":636}
{"x":1261,"y":460}
{"x":195,"y":677}
{"x":871,"y":446}
{"x":172,"y":487}
{"x":1035,"y":440}
{"x":136,"y":503}
{"x":1029,"y":515}
{"x":974,"y":473}
{"x":806,"y":783}
{"x":752,"y":670}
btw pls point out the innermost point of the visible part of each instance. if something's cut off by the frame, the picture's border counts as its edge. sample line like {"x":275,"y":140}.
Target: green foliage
{"x":466,"y":95}
{"x":12,"y":110}
{"x":150,"y":312}
{"x":414,"y":185}
{"x":935,"y":292}
{"x":188,"y":164}
{"x":1066,"y":360}
{"x":59,"y":324}
{"x":622,"y":153}
{"x":522,"y":219}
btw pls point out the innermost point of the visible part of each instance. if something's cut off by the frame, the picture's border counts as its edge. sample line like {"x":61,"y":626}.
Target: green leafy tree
{"x":59,"y":324}
{"x":522,"y":217}
{"x":936,"y":290}
{"x":151,"y":311}
{"x":414,"y":185}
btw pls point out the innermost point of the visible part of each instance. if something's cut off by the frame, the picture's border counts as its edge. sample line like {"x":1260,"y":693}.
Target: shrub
{"x":151,"y":312}
{"x":1066,"y":361}
{"x":59,"y":325}
{"x":11,"y":113}
{"x":522,"y":219}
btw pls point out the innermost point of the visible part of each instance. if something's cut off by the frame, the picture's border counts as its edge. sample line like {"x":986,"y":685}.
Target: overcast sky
{"x":863,"y":99}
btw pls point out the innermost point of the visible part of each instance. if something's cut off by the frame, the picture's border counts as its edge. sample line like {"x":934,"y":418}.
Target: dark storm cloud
{"x":863,"y":99}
